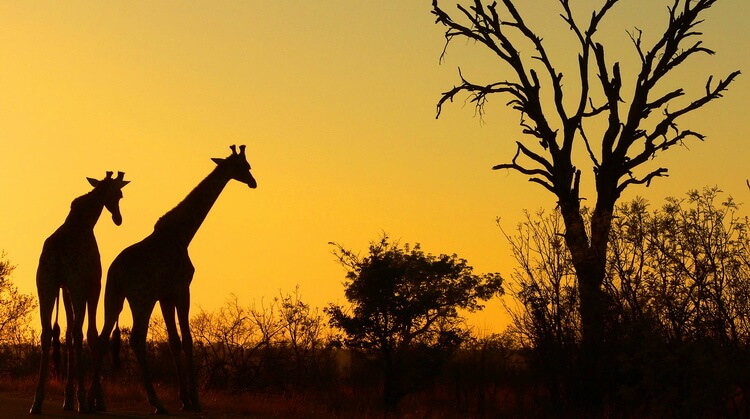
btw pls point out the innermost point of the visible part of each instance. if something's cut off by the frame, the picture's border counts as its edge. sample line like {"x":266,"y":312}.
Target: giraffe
{"x":158,"y":268}
{"x":70,"y":260}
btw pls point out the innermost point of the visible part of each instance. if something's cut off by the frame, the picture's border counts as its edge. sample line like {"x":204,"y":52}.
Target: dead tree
{"x":545,"y":153}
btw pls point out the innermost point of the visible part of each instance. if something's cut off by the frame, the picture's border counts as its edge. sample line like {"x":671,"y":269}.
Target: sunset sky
{"x":336,"y":102}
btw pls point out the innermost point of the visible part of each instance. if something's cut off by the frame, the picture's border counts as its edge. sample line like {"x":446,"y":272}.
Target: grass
{"x":129,"y":397}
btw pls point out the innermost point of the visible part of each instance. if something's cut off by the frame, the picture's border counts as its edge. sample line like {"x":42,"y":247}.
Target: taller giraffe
{"x":70,"y":260}
{"x":158,"y":268}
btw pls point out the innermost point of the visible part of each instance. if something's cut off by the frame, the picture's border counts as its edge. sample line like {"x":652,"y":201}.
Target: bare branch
{"x":611,"y":87}
{"x":636,"y":39}
{"x":586,"y":42}
{"x":667,"y":53}
{"x":485,"y":26}
{"x":592,"y":156}
{"x":710,"y":95}
{"x":624,"y":133}
{"x":658,"y":103}
{"x":650,"y":149}
{"x":479,"y":93}
{"x":554,"y":76}
{"x":535,"y":174}
{"x":595,"y":110}
{"x":660,"y":172}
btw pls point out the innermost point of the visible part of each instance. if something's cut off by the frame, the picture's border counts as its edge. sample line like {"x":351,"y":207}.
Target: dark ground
{"x":14,"y":406}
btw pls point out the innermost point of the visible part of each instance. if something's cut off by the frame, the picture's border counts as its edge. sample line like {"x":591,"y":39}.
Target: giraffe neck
{"x":85,"y":211}
{"x":182,"y":222}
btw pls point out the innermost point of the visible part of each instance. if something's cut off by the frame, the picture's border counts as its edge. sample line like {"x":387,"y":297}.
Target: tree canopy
{"x":402,"y":298}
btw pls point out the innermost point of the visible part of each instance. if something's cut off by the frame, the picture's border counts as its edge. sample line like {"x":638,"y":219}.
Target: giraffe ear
{"x":93,"y":182}
{"x":217,"y":160}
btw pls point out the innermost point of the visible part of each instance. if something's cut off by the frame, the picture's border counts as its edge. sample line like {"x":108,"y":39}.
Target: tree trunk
{"x":589,"y":257}
{"x":393,"y":390}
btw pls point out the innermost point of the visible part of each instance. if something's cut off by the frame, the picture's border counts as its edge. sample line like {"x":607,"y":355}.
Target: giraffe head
{"x":110,"y":190}
{"x":237,"y":166}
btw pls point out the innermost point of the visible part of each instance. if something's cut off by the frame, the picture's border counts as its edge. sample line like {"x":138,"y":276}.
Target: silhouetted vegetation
{"x":404,"y":315}
{"x":15,"y":308}
{"x":676,"y":336}
{"x":641,"y":115}
{"x":16,"y":333}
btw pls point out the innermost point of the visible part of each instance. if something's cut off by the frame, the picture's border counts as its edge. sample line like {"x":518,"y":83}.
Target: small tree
{"x":301,"y":329}
{"x":230,"y":341}
{"x":15,"y":308}
{"x":405,"y":301}
{"x":544,"y":318}
{"x":15,"y":316}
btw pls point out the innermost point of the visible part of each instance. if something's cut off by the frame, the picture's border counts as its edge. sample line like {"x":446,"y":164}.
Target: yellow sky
{"x":336,"y":103}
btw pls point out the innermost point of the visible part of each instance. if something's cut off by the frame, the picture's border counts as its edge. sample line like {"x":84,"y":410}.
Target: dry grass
{"x":129,"y":397}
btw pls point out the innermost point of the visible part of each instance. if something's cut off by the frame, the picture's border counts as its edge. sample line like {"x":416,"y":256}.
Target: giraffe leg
{"x":79,"y":308}
{"x":46,"y":304}
{"x":112,"y":310}
{"x":92,"y":337}
{"x":96,"y":393}
{"x":183,"y":315}
{"x":68,"y":398}
{"x":168,"y":312}
{"x":138,"y":343}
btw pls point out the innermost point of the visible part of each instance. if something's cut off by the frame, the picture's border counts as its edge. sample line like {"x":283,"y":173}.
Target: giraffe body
{"x":158,"y":269}
{"x":70,"y":261}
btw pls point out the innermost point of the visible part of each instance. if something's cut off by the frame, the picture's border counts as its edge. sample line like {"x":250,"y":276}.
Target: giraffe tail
{"x":116,"y":343}
{"x":56,"y":340}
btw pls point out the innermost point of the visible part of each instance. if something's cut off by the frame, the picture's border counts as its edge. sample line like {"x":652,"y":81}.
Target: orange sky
{"x":336,"y":102}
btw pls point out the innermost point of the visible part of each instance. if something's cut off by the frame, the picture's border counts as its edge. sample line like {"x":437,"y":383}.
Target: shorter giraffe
{"x":70,"y":260}
{"x":158,"y":268}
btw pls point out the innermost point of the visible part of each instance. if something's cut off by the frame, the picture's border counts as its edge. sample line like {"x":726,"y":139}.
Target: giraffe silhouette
{"x":158,"y":268}
{"x":70,"y":260}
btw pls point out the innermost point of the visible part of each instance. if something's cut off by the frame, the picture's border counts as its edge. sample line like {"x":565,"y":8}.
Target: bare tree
{"x":302,"y":329}
{"x":635,"y":133}
{"x":543,"y":283}
{"x":544,"y":318}
{"x":698,"y":275}
{"x":229,"y":340}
